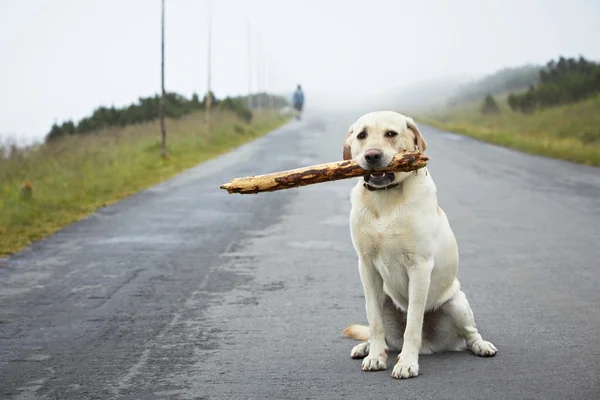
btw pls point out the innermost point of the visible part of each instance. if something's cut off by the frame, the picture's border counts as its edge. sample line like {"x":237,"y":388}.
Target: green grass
{"x":73,"y":176}
{"x":570,"y":132}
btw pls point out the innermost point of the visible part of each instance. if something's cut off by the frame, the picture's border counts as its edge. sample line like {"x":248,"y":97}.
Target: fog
{"x":61,"y":59}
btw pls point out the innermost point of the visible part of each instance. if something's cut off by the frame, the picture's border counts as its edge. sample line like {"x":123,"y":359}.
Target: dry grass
{"x":47,"y":187}
{"x":569,"y":132}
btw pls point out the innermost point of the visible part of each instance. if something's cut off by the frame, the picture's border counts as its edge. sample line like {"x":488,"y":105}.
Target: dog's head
{"x":375,"y":138}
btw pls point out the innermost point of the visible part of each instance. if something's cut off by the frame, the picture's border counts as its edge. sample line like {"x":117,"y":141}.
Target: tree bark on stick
{"x":402,"y":162}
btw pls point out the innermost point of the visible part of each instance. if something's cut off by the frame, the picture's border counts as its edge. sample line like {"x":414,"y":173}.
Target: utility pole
{"x":208,"y":93}
{"x":249,"y":39}
{"x":163,"y":131}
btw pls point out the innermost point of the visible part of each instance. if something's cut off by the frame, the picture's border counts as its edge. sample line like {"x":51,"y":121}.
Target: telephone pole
{"x":208,"y":93}
{"x":163,"y":131}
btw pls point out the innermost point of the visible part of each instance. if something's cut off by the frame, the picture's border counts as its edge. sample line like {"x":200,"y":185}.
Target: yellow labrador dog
{"x":408,"y":256}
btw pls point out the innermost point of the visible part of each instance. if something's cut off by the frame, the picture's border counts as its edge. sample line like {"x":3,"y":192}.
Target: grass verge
{"x":570,"y":132}
{"x":47,"y":187}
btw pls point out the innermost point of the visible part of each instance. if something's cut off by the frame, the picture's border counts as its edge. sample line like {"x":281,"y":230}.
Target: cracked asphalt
{"x":186,"y":292}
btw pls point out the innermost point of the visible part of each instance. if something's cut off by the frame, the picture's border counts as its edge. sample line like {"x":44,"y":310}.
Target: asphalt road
{"x":186,"y":292}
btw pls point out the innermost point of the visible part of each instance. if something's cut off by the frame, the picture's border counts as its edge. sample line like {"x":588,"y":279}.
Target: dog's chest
{"x":390,"y":238}
{"x":390,"y":243}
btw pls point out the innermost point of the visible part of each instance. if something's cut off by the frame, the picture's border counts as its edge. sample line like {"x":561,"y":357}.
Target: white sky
{"x":63,"y":58}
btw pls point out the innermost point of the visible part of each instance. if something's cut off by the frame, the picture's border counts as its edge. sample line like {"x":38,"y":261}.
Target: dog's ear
{"x":419,"y":141}
{"x":347,"y":149}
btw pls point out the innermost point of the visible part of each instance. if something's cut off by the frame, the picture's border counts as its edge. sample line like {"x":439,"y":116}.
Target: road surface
{"x":186,"y":292}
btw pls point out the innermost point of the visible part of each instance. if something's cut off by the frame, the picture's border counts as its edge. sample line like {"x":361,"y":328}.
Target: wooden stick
{"x":333,"y":171}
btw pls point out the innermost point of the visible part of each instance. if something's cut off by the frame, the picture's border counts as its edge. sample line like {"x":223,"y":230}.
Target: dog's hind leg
{"x":439,"y":333}
{"x":462,"y":317}
{"x":394,"y":321}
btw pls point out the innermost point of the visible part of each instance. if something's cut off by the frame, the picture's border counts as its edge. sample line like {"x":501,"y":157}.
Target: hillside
{"x":501,"y":82}
{"x":46,"y":187}
{"x":570,"y":132}
{"x":558,"y":116}
{"x":419,"y":96}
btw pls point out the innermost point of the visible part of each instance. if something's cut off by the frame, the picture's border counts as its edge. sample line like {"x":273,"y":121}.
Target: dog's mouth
{"x":379,"y":180}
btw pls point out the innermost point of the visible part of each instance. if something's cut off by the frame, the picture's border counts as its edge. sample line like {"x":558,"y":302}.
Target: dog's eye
{"x":391,"y":134}
{"x":361,"y":135}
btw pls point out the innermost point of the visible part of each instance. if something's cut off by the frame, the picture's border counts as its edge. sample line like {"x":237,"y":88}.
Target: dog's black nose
{"x":373,"y":156}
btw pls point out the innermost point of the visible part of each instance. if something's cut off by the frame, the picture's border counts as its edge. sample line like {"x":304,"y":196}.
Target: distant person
{"x":298,"y":101}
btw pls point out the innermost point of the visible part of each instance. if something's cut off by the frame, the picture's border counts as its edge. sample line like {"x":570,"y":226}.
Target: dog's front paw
{"x":484,"y":348}
{"x":361,"y":350}
{"x":374,"y":363}
{"x":404,"y":371}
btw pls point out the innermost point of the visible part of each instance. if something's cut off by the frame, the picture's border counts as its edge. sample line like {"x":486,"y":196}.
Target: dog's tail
{"x":359,"y":332}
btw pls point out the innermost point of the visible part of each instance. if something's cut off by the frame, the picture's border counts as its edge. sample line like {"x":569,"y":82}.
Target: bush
{"x":525,"y":103}
{"x":237,"y":106}
{"x":589,"y":137}
{"x":489,"y":105}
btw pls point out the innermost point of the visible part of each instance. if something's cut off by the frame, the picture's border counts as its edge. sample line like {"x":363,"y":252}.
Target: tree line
{"x":564,"y":81}
{"x":147,"y":109}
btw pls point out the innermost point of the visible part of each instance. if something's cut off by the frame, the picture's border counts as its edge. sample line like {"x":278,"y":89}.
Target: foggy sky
{"x":63,"y":58}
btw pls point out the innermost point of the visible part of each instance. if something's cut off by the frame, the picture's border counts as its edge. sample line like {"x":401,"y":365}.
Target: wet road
{"x":186,"y":292}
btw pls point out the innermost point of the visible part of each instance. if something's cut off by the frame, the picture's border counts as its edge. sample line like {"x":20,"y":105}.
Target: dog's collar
{"x":372,"y":188}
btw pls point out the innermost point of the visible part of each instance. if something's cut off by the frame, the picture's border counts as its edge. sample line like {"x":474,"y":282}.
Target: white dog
{"x":408,"y":256}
